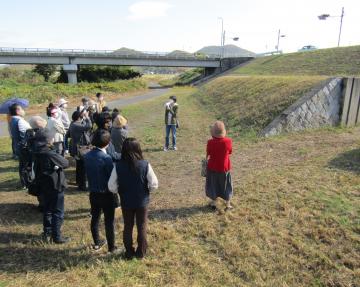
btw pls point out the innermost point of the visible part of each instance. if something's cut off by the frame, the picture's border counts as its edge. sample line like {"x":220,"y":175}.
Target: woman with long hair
{"x":134,"y":178}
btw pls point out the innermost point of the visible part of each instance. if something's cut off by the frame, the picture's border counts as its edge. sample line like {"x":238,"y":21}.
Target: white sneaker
{"x":166,"y":149}
{"x":175,"y":148}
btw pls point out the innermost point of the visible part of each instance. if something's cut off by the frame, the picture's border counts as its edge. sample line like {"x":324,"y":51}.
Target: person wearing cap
{"x":56,"y":128}
{"x":118,"y":132}
{"x":218,"y":177}
{"x":100,"y":103}
{"x":50,"y":177}
{"x":171,"y":111}
{"x":64,"y":116}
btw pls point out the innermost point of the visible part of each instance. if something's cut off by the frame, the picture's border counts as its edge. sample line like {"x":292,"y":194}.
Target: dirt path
{"x":112,"y":104}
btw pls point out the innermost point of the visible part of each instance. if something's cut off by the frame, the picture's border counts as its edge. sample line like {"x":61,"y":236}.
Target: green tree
{"x":45,"y":70}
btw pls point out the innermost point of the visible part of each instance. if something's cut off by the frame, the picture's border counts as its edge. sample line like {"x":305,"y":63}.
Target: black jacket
{"x":49,"y":169}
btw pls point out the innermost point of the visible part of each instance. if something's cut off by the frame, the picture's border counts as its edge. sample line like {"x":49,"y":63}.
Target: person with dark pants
{"x":171,"y":122}
{"x":79,"y":132}
{"x":98,"y":166}
{"x":133,"y":178}
{"x":50,"y":177}
{"x":18,"y":128}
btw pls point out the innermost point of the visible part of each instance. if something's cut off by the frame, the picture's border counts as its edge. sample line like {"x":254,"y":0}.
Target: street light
{"x":278,"y":40}
{"x":325,"y":16}
{"x":222,"y":42}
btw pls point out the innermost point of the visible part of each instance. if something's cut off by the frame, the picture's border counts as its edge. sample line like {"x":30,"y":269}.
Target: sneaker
{"x":228,"y":208}
{"x":175,"y":148}
{"x":99,"y":246}
{"x":62,"y":240}
{"x":66,"y":151}
{"x":166,"y":149}
{"x":46,"y":237}
{"x":114,"y":251}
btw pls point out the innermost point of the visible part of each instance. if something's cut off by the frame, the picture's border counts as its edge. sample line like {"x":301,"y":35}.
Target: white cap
{"x":62,"y":101}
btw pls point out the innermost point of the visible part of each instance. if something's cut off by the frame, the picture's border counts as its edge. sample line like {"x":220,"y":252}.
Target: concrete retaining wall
{"x":318,"y":108}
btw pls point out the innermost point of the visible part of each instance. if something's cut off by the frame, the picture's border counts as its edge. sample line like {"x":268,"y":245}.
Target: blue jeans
{"x":173,"y":131}
{"x":53,"y":213}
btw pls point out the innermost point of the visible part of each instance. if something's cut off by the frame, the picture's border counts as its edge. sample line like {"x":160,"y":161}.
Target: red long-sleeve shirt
{"x":218,"y":152}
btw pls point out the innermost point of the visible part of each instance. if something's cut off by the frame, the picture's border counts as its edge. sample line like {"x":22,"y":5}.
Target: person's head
{"x":63,"y":103}
{"x":99,"y":96}
{"x":218,"y":130}
{"x":101,"y":138}
{"x":119,"y":122}
{"x":131,"y":152}
{"x":114,"y":114}
{"x":76,"y":116}
{"x":54,"y":113}
{"x":105,"y":110}
{"x":85,"y":101}
{"x":43,"y":138}
{"x":16,"y":110}
{"x":37,"y":122}
{"x":103,"y":121}
{"x":173,"y":98}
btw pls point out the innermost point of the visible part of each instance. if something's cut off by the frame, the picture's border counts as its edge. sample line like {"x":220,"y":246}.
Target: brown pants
{"x":129,"y":215}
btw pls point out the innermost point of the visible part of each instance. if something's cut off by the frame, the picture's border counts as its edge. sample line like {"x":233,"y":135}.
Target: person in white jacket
{"x":64,"y":116}
{"x":56,"y":129}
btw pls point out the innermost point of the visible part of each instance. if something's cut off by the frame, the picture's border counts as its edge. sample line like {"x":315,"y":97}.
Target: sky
{"x":167,"y":25}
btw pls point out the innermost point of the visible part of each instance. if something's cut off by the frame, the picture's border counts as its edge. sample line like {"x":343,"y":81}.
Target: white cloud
{"x":148,"y":9}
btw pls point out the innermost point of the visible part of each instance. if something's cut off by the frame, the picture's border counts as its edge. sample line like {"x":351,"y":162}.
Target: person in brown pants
{"x":133,"y":178}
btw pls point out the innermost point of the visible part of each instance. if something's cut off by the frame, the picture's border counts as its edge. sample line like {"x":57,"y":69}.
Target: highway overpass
{"x":71,"y":58}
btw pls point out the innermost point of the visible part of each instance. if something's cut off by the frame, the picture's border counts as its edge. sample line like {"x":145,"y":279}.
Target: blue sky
{"x":166,"y":25}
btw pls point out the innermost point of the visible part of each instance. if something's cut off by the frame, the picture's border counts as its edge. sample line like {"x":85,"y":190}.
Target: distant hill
{"x":179,"y":53}
{"x":127,"y":51}
{"x":341,"y":61}
{"x":229,"y":51}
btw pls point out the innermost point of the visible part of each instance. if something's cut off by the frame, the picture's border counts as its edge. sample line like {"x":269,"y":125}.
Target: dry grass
{"x":295,"y":223}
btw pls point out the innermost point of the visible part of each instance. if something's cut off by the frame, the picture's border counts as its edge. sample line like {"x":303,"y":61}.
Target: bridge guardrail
{"x":98,"y":53}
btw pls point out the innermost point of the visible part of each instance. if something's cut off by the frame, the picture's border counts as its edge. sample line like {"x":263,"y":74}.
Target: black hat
{"x":42,"y":137}
{"x":173,"y":98}
{"x":106,"y":109}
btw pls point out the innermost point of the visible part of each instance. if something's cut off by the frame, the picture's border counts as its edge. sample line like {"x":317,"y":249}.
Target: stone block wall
{"x":316,"y":109}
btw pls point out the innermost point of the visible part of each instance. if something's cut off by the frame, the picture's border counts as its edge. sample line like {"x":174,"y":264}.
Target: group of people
{"x":109,"y":164}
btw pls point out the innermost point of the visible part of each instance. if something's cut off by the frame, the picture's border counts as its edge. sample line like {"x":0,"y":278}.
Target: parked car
{"x":307,"y":48}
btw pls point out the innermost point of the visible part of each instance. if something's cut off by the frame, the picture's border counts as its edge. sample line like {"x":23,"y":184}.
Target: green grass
{"x":185,"y":78}
{"x":43,"y":92}
{"x":249,"y":104}
{"x":295,"y":222}
{"x":330,"y":62}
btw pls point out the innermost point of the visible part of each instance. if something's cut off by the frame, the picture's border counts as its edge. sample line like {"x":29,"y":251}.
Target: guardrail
{"x":101,"y":53}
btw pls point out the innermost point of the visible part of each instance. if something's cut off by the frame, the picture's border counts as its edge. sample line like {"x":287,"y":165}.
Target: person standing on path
{"x":218,"y":177}
{"x":133,"y":178}
{"x":98,"y":166}
{"x":171,"y":122}
{"x":18,"y":128}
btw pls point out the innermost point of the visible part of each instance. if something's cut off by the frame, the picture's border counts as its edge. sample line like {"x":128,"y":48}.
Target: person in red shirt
{"x":218,"y":177}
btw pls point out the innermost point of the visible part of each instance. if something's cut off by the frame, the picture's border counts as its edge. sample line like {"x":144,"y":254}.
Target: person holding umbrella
{"x":4,"y":109}
{"x":18,"y":128}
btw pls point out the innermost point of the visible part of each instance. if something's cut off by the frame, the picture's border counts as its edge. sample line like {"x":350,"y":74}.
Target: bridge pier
{"x":70,"y":71}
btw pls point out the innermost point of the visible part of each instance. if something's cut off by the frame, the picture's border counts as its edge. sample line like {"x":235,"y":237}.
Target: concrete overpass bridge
{"x":71,"y":58}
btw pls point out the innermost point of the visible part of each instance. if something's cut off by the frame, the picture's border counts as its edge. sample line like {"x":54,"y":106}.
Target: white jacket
{"x":56,"y":129}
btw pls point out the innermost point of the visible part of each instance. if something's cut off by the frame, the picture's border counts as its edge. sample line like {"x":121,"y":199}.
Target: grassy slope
{"x":330,"y":62}
{"x":296,"y":221}
{"x":248,"y":104}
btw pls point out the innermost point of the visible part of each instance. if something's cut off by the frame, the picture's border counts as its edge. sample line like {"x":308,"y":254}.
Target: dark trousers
{"x":129,"y":215}
{"x":80,"y":174}
{"x":23,"y":172}
{"x":53,"y":213}
{"x":103,"y":202}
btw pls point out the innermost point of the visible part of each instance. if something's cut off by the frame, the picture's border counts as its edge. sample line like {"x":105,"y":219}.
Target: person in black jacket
{"x":50,"y":177}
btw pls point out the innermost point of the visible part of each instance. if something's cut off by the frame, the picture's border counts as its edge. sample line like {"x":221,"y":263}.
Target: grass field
{"x":342,"y":61}
{"x":249,"y":104}
{"x":295,"y":222}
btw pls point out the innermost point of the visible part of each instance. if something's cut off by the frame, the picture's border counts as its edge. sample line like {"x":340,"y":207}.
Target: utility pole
{"x":341,"y":21}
